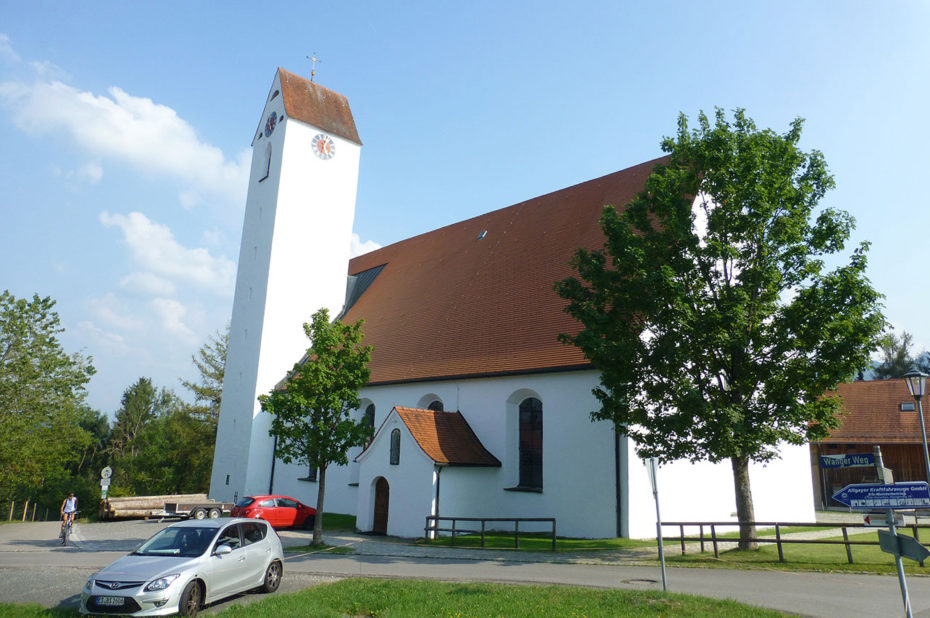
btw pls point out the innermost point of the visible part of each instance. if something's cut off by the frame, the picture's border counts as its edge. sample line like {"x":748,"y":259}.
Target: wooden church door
{"x":382,"y":500}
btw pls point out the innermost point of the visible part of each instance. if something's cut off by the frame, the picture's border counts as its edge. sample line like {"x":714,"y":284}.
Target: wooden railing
{"x":433,"y":527}
{"x":715,"y":540}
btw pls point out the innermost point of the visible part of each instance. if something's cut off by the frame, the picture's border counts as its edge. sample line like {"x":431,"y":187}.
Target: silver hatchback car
{"x":186,"y":566}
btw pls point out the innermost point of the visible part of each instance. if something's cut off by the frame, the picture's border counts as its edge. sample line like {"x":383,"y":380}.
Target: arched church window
{"x":531,"y":443}
{"x":369,"y":421}
{"x":395,"y":447}
{"x":435,"y":405}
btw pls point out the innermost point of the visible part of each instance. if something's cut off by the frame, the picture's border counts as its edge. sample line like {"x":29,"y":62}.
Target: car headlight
{"x":90,"y":582}
{"x":161,"y":583}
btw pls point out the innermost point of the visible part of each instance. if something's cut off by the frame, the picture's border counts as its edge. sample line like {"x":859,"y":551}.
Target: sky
{"x":127,"y":126}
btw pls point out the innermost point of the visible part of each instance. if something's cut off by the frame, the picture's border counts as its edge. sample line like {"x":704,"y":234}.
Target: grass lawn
{"x":333,"y":522}
{"x":386,"y":598}
{"x":398,"y":598}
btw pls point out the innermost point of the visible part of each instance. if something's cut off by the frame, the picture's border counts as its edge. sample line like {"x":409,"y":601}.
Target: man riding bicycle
{"x":68,"y":509}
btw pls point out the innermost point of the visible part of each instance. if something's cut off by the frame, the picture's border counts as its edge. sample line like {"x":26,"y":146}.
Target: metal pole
{"x":889,"y":514}
{"x":923,"y":434}
{"x":653,"y":466}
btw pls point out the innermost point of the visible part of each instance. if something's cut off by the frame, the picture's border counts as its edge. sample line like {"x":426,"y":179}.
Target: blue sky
{"x":127,"y":130}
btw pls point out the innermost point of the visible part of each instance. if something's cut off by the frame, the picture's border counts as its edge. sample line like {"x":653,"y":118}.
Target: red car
{"x":279,"y":511}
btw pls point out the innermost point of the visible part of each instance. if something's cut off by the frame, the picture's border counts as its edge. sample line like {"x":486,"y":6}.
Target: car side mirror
{"x":222,"y":550}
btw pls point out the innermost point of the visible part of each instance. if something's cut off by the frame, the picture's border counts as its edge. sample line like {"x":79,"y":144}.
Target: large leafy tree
{"x":42,"y":389}
{"x":312,"y":410}
{"x":709,"y":311}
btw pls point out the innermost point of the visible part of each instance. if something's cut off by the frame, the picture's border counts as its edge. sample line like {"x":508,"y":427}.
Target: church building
{"x":477,"y":409}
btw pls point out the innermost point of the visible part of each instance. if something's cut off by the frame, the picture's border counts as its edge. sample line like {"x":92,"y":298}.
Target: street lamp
{"x":917,"y":384}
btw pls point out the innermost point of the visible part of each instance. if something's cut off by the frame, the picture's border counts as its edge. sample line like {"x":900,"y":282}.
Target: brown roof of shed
{"x":317,"y":106}
{"x":874,"y":414}
{"x":446,"y":437}
{"x":450,"y":303}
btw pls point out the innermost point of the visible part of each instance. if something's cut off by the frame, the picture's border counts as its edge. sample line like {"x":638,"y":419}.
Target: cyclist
{"x":68,"y":509}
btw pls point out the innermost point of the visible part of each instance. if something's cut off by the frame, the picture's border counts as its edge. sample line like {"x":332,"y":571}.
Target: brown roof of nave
{"x":318,"y":106}
{"x":450,"y":304}
{"x":446,"y":437}
{"x":873,"y":414}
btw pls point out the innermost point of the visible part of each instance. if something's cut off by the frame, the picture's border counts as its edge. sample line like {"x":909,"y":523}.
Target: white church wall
{"x":411,"y":482}
{"x":704,"y":491}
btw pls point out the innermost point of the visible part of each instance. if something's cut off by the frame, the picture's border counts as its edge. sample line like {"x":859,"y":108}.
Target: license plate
{"x":110,"y":601}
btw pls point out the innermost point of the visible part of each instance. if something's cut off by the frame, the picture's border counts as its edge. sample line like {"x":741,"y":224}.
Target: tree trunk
{"x":745,"y":512}
{"x":318,"y":520}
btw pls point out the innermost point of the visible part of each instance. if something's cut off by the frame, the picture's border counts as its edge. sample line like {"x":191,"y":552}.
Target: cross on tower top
{"x":313,"y":59}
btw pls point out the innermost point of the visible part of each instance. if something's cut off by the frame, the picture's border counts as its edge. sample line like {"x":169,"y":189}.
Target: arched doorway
{"x":382,"y":500}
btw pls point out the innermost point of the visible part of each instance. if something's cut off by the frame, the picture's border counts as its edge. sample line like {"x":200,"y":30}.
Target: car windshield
{"x":178,"y":541}
{"x":245,"y":502}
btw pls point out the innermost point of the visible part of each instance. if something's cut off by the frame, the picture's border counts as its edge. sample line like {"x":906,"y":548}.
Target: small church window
{"x":531,"y":443}
{"x":311,"y":472}
{"x":267,"y":162}
{"x":435,"y":406}
{"x":395,"y":447}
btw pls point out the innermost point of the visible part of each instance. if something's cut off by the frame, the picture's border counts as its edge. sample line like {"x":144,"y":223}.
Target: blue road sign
{"x":907,"y":495}
{"x":857,"y":460}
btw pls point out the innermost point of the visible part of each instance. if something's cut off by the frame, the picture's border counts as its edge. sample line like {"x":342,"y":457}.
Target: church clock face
{"x":323,"y":146}
{"x":271,"y":123}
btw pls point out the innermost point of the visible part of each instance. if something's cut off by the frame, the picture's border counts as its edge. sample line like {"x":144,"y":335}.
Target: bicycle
{"x":66,"y":529}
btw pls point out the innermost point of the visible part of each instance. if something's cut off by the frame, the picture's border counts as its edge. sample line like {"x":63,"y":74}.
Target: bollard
{"x":25,"y":510}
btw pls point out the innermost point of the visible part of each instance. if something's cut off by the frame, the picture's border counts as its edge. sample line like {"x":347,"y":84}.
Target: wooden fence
{"x":715,"y":540}
{"x":432,"y":528}
{"x":26,"y":511}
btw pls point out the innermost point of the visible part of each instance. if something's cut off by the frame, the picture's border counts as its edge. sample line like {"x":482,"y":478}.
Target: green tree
{"x":141,"y":405}
{"x":42,"y":389}
{"x":713,"y":322}
{"x":208,"y":392}
{"x":312,"y":410}
{"x":896,"y":356}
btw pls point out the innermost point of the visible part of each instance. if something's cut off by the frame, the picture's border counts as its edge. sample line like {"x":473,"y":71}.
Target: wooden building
{"x":877,"y":412}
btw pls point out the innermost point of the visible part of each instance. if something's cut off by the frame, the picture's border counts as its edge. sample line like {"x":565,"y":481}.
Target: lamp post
{"x":917,"y":384}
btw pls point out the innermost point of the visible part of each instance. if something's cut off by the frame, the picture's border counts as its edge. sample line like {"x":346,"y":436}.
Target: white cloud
{"x":104,"y":339}
{"x":114,"y":312}
{"x":6,"y":50}
{"x":360,"y":248}
{"x":155,"y":250}
{"x":133,"y":130}
{"x":171,"y":314}
{"x":90,"y":172}
{"x":149,"y":283}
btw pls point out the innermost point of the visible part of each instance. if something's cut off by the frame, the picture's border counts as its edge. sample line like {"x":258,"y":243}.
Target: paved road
{"x":34,"y":568}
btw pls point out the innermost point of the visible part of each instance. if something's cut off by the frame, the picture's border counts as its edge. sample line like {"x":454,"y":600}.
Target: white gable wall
{"x":411,"y":481}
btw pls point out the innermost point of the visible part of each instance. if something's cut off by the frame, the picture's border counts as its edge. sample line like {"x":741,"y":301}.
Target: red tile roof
{"x":874,"y":414}
{"x":446,"y":437}
{"x":317,"y":106}
{"x":450,"y":303}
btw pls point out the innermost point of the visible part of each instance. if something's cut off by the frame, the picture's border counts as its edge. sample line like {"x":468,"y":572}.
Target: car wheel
{"x":309,"y":521}
{"x":190,"y":600}
{"x":272,"y":577}
{"x":199,"y":514}
{"x":214,"y":513}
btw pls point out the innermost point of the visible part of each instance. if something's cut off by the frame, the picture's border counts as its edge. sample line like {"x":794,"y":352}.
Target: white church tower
{"x":293,"y":260}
